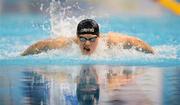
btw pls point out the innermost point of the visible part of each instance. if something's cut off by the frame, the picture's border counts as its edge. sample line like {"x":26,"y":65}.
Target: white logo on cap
{"x":87,"y":30}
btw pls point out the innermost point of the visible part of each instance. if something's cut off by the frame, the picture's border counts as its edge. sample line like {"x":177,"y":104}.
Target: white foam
{"x":61,"y":23}
{"x":64,"y":25}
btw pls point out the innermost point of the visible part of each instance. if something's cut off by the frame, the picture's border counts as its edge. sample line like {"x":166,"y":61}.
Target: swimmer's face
{"x":88,"y":43}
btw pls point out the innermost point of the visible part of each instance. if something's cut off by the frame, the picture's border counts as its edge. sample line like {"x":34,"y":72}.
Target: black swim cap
{"x":88,"y":26}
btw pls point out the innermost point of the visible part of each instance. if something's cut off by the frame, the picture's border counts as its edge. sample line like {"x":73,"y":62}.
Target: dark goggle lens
{"x":82,"y":39}
{"x":92,"y":39}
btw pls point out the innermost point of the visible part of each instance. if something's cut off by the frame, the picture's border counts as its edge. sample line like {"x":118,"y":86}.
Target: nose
{"x":87,"y":42}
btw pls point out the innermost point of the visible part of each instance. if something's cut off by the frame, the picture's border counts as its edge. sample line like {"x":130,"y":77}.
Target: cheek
{"x":94,"y":45}
{"x":81,"y":46}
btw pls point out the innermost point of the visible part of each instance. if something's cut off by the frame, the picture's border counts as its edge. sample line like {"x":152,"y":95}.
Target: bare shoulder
{"x":121,"y":38}
{"x":128,"y":42}
{"x":74,"y":39}
{"x":118,"y":35}
{"x":62,"y":41}
{"x":115,"y":38}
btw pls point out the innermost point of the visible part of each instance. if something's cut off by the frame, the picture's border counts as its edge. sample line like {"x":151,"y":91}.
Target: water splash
{"x":64,"y":20}
{"x":164,"y":54}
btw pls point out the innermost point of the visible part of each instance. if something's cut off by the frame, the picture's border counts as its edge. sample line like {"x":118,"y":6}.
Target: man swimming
{"x":87,"y":38}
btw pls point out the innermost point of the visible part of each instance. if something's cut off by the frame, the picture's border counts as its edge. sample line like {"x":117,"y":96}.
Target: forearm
{"x":145,"y":48}
{"x":36,"y":48}
{"x":45,"y":45}
{"x":140,"y":45}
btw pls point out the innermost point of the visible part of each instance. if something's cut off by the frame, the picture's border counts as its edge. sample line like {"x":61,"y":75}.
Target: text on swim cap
{"x":87,"y":30}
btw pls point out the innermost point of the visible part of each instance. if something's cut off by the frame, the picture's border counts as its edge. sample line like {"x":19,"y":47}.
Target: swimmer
{"x":87,"y":38}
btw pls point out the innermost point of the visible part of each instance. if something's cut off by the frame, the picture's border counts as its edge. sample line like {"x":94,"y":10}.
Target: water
{"x":88,"y":84}
{"x":18,"y":32}
{"x":108,"y":77}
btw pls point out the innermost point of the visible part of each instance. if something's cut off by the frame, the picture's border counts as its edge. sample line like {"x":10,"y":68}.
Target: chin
{"x":87,"y":52}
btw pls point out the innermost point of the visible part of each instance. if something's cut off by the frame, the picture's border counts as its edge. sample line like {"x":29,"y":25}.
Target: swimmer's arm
{"x":45,"y":45}
{"x":139,"y":45}
{"x":129,"y":42}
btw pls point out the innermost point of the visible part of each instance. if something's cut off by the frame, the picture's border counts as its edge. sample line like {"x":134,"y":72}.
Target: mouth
{"x":87,"y":49}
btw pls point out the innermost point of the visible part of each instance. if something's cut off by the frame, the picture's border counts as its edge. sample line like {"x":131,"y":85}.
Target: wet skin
{"x":88,"y":43}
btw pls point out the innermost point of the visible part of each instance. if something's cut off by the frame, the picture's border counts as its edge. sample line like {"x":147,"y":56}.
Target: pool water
{"x":108,"y":77}
{"x":89,"y":85}
{"x":17,"y":32}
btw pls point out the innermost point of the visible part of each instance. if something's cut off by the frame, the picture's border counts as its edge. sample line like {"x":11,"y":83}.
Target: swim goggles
{"x":83,"y":39}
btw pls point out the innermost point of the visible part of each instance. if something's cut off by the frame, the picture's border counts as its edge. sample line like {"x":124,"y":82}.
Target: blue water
{"x":106,"y":85}
{"x":128,"y":78}
{"x":17,"y":32}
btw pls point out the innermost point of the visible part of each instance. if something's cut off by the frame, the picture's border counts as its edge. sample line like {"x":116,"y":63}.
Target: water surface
{"x":89,"y":85}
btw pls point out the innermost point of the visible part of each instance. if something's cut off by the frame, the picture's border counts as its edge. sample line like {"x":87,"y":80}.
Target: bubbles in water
{"x":166,"y":51}
{"x":41,"y":7}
